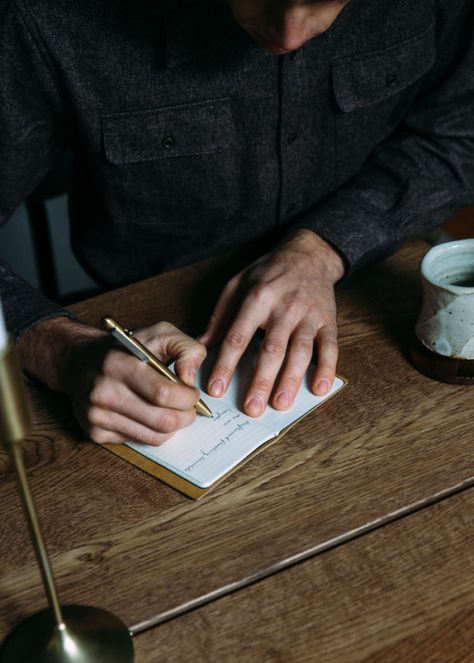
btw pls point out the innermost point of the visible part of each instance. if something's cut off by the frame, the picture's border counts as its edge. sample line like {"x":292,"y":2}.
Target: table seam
{"x":309,"y":553}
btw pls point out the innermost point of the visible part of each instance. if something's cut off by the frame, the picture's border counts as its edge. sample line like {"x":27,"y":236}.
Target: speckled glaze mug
{"x":446,"y":322}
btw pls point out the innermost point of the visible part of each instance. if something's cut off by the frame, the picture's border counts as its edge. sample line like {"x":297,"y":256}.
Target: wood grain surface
{"x":121,"y":540}
{"x":401,"y":594}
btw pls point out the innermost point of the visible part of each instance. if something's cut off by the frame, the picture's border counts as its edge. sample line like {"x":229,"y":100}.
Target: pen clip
{"x":125,"y":337}
{"x":130,"y":344}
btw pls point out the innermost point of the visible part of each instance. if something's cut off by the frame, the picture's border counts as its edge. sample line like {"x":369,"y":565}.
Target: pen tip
{"x":203,"y":409}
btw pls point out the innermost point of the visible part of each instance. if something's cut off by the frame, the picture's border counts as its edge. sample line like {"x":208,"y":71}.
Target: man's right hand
{"x":115,"y":396}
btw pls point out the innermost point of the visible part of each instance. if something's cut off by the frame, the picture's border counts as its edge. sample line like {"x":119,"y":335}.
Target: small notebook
{"x":198,"y":457}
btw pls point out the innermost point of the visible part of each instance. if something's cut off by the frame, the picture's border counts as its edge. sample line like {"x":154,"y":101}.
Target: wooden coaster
{"x":438,"y":367}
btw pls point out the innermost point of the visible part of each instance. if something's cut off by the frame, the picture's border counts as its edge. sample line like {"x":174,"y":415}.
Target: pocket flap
{"x":367,"y":78}
{"x":187,"y":129}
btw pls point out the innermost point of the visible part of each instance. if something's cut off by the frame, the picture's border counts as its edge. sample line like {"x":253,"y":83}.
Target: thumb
{"x":170,"y":343}
{"x":187,"y":353}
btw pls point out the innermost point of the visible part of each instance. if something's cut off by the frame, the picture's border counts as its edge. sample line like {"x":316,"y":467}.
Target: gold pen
{"x":127,"y":339}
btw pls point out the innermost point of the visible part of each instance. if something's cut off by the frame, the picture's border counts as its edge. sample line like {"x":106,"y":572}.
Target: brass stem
{"x":36,"y":536}
{"x":88,"y":634}
{"x":15,"y":424}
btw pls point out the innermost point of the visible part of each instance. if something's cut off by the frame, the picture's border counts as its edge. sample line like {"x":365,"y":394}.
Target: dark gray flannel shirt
{"x":189,"y":139}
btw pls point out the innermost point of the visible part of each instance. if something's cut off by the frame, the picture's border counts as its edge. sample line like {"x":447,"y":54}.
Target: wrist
{"x":328,"y":255}
{"x":46,"y":350}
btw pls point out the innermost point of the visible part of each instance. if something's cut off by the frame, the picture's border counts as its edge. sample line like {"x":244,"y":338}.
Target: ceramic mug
{"x":446,"y":322}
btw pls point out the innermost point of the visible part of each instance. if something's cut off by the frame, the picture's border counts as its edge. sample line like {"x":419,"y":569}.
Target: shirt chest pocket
{"x":174,"y":167}
{"x":372,"y":92}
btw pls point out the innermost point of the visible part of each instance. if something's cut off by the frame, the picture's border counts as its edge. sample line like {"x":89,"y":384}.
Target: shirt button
{"x":168,"y":142}
{"x":292,"y":138}
{"x":391,"y":80}
{"x":290,"y":209}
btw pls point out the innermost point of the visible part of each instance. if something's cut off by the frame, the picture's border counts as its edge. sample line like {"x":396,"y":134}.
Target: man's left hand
{"x":290,"y":294}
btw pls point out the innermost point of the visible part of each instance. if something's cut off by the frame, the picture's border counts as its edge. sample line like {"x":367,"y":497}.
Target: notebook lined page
{"x":206,"y":450}
{"x":203,"y":452}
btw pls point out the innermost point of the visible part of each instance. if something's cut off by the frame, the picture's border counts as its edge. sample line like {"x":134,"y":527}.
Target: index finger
{"x":157,"y":389}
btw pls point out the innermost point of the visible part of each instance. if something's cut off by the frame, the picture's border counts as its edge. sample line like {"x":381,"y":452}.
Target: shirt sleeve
{"x":33,"y":134}
{"x":421,"y":174}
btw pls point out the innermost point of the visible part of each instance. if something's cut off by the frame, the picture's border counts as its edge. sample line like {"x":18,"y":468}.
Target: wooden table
{"x":351,"y":539}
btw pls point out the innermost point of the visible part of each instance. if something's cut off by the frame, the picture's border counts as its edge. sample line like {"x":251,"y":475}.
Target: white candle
{"x":3,"y":330}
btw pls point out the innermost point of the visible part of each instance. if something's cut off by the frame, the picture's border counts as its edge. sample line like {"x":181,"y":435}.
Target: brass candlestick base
{"x":88,"y":635}
{"x":62,"y":634}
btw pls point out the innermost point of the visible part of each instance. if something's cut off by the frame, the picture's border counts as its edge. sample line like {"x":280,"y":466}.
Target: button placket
{"x":303,"y":124}
{"x":292,"y":132}
{"x":289,"y":135}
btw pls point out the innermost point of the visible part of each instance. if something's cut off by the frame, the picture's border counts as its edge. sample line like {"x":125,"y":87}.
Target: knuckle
{"x":235,"y":339}
{"x":156,"y":336}
{"x":329,"y":332}
{"x":201,"y":350}
{"x":302,"y":347}
{"x":98,"y":435}
{"x":197,"y":352}
{"x":293,"y":382}
{"x":149,"y":334}
{"x":223,"y":369}
{"x":294,"y":306}
{"x":95,"y":396}
{"x":261,"y":293}
{"x":164,"y":327}
{"x":330,"y":339}
{"x":274,"y":348}
{"x":328,"y":364}
{"x":165,"y":423}
{"x":331,"y":348}
{"x":263,"y":384}
{"x":161,"y":392}
{"x":100,"y":396}
{"x":94,"y":416}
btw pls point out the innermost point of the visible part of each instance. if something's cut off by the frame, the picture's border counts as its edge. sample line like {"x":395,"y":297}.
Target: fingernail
{"x":323,"y":387}
{"x":255,"y":406}
{"x":284,"y":399}
{"x":192,"y":375}
{"x":216,"y":388}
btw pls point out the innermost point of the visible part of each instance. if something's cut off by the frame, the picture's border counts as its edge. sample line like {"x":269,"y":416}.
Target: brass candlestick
{"x":68,"y":634}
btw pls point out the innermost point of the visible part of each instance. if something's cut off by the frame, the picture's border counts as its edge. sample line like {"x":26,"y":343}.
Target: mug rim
{"x":434,"y":253}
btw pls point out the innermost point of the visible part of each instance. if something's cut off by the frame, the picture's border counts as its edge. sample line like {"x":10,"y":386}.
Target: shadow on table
{"x":386,"y":297}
